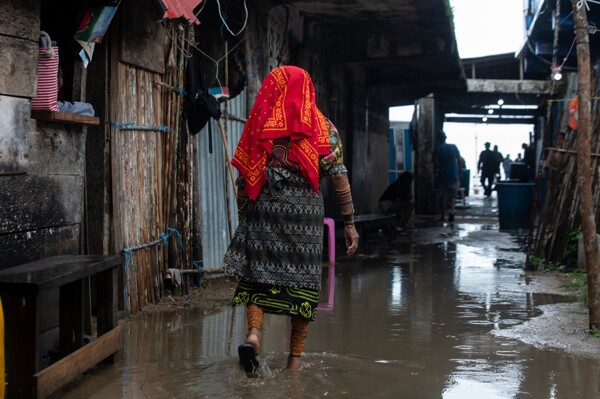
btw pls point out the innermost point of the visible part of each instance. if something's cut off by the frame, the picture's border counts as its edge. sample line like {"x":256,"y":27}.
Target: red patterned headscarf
{"x":284,"y":107}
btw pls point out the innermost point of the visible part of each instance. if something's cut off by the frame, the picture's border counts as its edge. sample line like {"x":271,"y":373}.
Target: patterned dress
{"x":277,"y":249}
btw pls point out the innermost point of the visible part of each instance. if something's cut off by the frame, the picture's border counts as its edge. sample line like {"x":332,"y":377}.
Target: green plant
{"x":570,"y":256}
{"x":595,"y":332}
{"x":577,"y":283}
{"x":552,"y":266}
{"x":535,"y":261}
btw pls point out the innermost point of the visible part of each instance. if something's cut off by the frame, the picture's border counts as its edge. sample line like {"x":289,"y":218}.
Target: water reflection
{"x":395,"y":301}
{"x":414,"y":322}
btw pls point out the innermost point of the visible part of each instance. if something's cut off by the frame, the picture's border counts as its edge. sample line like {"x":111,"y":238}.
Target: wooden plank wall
{"x":144,"y":167}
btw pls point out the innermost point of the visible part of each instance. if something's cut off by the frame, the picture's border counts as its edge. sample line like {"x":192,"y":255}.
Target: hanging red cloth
{"x":181,"y":8}
{"x":284,"y":107}
{"x":573,"y":113}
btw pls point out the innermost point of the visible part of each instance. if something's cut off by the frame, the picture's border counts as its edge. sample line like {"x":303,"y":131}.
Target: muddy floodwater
{"x":441,"y":312}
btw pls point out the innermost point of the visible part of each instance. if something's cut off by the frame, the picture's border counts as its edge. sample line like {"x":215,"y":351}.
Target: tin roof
{"x":181,"y":8}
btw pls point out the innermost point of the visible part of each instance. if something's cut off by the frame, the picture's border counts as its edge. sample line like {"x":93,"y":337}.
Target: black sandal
{"x":248,"y":360}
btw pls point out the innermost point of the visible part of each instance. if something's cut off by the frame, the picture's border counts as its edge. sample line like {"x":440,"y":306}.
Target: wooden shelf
{"x":65,"y":117}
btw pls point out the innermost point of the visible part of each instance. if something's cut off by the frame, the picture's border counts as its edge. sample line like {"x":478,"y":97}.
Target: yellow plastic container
{"x":1,"y":351}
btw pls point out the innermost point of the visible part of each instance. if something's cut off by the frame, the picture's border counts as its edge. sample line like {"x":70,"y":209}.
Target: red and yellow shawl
{"x":284,"y":107}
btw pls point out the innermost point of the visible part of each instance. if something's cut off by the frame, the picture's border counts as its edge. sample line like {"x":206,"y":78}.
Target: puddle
{"x":423,"y":318}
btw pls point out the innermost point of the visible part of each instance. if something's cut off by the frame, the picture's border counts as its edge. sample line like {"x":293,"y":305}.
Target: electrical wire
{"x":201,"y":8}
{"x":225,"y":23}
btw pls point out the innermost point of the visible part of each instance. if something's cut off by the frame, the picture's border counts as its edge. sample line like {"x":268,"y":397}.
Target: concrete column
{"x":428,"y":122}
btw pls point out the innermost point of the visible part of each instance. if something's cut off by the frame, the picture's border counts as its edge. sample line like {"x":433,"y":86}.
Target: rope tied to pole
{"x":128,"y":255}
{"x":132,"y":126}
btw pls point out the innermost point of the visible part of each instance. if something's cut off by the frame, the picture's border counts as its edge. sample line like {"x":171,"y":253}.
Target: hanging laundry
{"x":573,"y":121}
{"x":181,"y":8}
{"x":199,"y":104}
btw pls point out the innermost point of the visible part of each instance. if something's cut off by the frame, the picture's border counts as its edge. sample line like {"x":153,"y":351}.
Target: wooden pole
{"x":227,"y":156}
{"x":584,"y":182}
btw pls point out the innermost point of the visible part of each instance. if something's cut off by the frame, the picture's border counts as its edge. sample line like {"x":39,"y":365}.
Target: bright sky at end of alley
{"x":482,"y":28}
{"x":486,"y":27}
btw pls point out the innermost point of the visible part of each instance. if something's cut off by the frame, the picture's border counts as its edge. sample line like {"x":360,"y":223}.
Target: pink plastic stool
{"x":331,"y":234}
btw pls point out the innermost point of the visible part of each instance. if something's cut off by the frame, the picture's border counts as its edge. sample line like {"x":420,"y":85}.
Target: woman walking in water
{"x":276,"y":252}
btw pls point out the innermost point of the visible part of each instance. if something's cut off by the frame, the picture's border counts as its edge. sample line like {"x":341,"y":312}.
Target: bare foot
{"x":294,"y":363}
{"x":253,"y":338}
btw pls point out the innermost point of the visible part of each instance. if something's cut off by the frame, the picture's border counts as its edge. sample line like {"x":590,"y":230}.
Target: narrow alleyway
{"x":435,"y":314}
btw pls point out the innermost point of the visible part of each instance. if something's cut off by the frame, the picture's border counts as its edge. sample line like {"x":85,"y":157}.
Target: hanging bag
{"x":47,"y":81}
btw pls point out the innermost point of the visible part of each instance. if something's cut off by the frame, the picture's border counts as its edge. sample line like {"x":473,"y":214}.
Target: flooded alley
{"x":434,"y":314}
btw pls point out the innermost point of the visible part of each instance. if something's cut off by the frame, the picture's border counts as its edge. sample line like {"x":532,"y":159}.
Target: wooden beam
{"x":508,"y":86}
{"x":481,"y":110}
{"x":503,"y":121}
{"x":65,"y":117}
{"x":54,"y":377}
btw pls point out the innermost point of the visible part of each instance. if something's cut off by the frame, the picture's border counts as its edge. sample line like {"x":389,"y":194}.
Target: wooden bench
{"x":22,"y":289}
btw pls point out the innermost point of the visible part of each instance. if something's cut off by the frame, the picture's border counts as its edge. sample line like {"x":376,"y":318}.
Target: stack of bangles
{"x":345,"y":199}
{"x":348,"y":218}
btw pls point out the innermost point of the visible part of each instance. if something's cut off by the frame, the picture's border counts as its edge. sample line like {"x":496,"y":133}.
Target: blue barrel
{"x":515,"y":201}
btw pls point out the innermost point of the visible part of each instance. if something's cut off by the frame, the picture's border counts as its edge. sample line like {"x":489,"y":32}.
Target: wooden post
{"x":584,"y":181}
{"x":227,"y":156}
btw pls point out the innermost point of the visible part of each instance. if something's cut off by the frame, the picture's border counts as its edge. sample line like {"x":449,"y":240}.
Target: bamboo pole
{"x":227,"y":156}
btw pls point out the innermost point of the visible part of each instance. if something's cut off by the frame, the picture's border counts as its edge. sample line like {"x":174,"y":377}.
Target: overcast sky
{"x":485,"y":27}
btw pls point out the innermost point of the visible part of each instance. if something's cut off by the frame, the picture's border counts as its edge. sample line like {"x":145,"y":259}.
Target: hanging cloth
{"x":180,"y":8}
{"x":284,"y":107}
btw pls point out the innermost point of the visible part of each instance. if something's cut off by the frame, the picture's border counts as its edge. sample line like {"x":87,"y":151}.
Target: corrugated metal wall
{"x":218,"y":208}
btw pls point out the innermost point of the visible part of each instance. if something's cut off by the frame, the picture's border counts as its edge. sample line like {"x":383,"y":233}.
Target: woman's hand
{"x":351,"y":237}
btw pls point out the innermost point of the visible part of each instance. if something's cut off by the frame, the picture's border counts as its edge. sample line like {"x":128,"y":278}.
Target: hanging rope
{"x":216,"y":62}
{"x":198,"y":265}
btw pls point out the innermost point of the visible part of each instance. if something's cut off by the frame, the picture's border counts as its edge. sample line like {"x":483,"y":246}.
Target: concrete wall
{"x":42,"y":163}
{"x":278,"y":35}
{"x":363,"y":122}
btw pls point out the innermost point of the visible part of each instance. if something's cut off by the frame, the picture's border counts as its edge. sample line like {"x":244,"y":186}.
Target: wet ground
{"x":444,"y":311}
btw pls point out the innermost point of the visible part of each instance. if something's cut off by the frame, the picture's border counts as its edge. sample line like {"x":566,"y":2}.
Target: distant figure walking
{"x":529,"y":159}
{"x":487,"y":167}
{"x":446,"y":162}
{"x":506,"y":162}
{"x":499,"y":159}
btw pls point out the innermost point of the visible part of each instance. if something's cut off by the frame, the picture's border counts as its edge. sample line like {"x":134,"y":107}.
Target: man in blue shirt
{"x":446,"y":159}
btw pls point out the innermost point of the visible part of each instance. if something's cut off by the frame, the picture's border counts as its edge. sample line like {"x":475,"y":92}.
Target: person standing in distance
{"x":446,"y":162}
{"x":487,"y":167}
